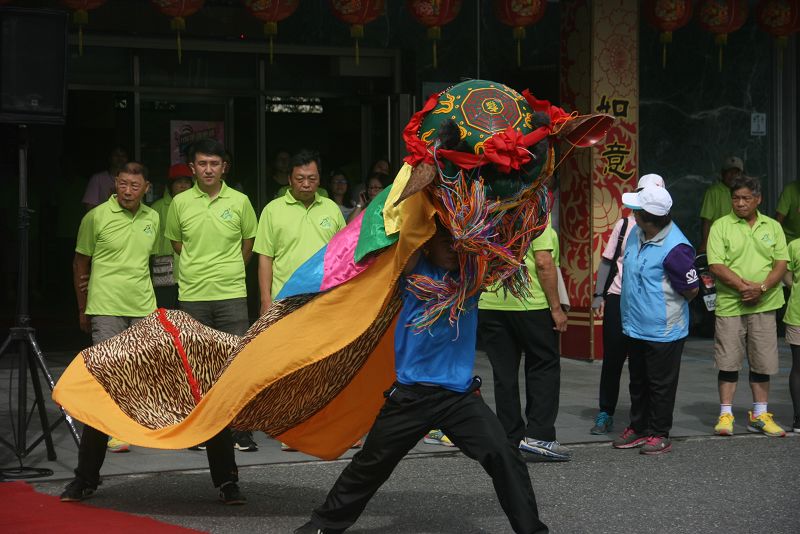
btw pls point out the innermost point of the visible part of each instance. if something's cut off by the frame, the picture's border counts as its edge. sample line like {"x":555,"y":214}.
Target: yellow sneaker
{"x":764,"y":424}
{"x":724,"y":426}
{"x":117,"y":445}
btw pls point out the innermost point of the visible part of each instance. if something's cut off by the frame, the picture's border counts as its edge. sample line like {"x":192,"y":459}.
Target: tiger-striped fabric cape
{"x":310,"y":372}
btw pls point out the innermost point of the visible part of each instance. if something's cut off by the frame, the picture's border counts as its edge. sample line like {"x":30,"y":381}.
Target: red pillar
{"x":599,"y":73}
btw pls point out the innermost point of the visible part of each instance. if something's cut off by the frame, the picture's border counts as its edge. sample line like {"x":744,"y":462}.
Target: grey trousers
{"x":108,"y":326}
{"x":229,"y":315}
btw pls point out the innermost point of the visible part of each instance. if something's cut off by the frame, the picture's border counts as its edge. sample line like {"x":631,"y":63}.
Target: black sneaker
{"x":77,"y":490}
{"x":200,"y":447}
{"x":311,"y":528}
{"x":796,"y":424}
{"x":243,"y":441}
{"x":229,"y":494}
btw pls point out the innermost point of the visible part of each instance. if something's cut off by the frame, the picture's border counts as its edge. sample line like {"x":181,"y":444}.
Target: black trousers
{"x":92,"y":453}
{"x":408,"y":413}
{"x":654,"y":368}
{"x":615,"y":352}
{"x":167,"y":296}
{"x":506,"y":335}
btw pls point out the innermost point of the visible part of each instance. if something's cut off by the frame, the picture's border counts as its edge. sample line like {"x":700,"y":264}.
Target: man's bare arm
{"x":265,"y":281}
{"x":177,"y":246}
{"x":247,"y":249}
{"x":81,"y":269}
{"x":548,"y":279}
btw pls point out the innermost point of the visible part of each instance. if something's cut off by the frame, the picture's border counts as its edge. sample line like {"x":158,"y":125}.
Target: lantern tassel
{"x":178,"y":24}
{"x":271,"y":60}
{"x":721,"y":40}
{"x":519,"y":35}
{"x":665,"y":38}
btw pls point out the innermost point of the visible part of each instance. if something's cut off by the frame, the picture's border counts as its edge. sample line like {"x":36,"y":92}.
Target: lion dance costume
{"x":310,"y":372}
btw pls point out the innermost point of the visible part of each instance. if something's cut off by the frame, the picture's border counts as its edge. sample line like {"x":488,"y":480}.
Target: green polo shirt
{"x":792,"y":316}
{"x":290,"y":233}
{"x":496,"y":298}
{"x":120,"y":244}
{"x":211,"y":232}
{"x":716,"y":202}
{"x":750,"y":252}
{"x":789,"y":207}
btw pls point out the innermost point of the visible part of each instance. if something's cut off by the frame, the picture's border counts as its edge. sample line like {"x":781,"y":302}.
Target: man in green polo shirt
{"x":748,"y":255}
{"x":788,"y":211}
{"x":212,"y":227}
{"x":717,"y":199}
{"x":510,"y":326}
{"x":115,"y":241}
{"x":294,"y":227}
{"x":165,"y":262}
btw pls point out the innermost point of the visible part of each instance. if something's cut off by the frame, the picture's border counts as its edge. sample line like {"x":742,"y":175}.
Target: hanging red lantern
{"x":518,"y":14}
{"x":434,"y":14}
{"x":80,"y":15}
{"x":779,"y":18}
{"x":357,"y":13}
{"x":271,"y":12}
{"x":178,"y":10}
{"x":721,"y":17}
{"x":667,"y":16}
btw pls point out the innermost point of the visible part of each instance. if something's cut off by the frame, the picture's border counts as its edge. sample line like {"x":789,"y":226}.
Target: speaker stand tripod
{"x":22,"y":337}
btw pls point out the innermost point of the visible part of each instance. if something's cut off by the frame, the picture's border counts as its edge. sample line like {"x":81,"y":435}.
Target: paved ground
{"x":742,"y":484}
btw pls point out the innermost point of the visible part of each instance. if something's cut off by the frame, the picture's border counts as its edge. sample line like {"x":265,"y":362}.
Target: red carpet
{"x":24,"y":511}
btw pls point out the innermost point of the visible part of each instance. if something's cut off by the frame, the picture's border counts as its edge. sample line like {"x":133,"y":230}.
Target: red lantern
{"x":779,"y":18}
{"x":178,"y":10}
{"x":357,"y":13}
{"x":434,"y":14}
{"x":80,"y":15}
{"x":721,"y":17}
{"x":667,"y":16}
{"x":270,"y":12}
{"x":518,"y":14}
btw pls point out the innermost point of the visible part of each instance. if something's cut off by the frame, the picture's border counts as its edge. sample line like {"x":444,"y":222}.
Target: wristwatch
{"x":763,"y":288}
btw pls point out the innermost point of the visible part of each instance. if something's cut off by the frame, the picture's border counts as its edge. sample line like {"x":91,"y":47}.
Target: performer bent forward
{"x":434,"y":389}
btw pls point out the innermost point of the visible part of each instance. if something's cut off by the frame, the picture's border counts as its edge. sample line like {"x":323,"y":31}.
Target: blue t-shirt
{"x":442,"y":355}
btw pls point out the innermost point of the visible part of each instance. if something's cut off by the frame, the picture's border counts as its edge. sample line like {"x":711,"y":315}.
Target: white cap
{"x":650,"y":179}
{"x":652,"y":199}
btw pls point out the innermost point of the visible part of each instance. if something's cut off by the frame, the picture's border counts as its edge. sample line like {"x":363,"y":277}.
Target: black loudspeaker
{"x":33,"y":65}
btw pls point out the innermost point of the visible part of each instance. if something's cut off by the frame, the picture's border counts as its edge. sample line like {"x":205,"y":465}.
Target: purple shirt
{"x":99,"y":189}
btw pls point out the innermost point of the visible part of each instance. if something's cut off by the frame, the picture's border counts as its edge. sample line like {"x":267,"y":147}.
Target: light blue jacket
{"x":651,"y":308}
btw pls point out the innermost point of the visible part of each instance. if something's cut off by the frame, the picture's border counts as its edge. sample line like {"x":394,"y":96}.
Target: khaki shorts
{"x":754,"y":334}
{"x":792,"y":334}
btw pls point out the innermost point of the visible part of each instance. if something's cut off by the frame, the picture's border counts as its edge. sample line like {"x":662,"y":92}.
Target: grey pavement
{"x":746,"y":483}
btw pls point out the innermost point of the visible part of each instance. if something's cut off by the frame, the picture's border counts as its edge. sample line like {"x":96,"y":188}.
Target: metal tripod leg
{"x":46,"y":372}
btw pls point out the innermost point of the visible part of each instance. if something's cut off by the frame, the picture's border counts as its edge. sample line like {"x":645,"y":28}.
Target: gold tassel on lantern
{"x":721,"y":40}
{"x":178,"y":24}
{"x":665,"y":38}
{"x":270,"y":30}
{"x":519,"y":35}
{"x":80,"y":18}
{"x":357,"y":32}
{"x":434,"y":34}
